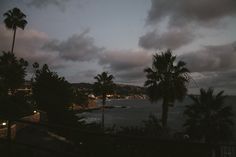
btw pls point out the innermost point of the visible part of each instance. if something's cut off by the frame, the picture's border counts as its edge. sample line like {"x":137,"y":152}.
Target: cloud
{"x":183,"y":19}
{"x":62,"y":5}
{"x":77,"y":58}
{"x":83,"y":75}
{"x":135,"y":77}
{"x":44,"y":3}
{"x":121,"y":60}
{"x":212,"y":58}
{"x":126,"y":65}
{"x":173,"y":39}
{"x":27,"y":43}
{"x":221,"y":80}
{"x":78,"y":47}
{"x":61,"y":56}
{"x":182,"y":12}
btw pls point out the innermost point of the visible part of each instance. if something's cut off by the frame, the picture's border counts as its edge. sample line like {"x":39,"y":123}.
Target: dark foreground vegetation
{"x":87,"y":143}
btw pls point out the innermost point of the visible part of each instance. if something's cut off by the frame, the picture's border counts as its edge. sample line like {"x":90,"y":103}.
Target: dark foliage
{"x":15,"y":106}
{"x":208,"y":118}
{"x":15,"y":18}
{"x":152,"y":128}
{"x":12,"y":72}
{"x":81,"y":98}
{"x":54,"y":95}
{"x":13,"y":103}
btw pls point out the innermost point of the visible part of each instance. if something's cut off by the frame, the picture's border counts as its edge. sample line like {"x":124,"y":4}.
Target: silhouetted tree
{"x":103,"y":86}
{"x":166,"y":80}
{"x":54,"y":95}
{"x":13,"y":103}
{"x":12,"y":72}
{"x":208,"y":118}
{"x":14,"y":19}
{"x":81,"y":98}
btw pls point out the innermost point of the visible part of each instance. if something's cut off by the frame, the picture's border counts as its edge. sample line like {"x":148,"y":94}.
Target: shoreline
{"x":93,"y":108}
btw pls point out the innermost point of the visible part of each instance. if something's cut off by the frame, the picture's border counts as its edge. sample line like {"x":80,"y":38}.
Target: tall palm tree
{"x":104,"y":85}
{"x":14,"y":19}
{"x":166,"y":80}
{"x":208,"y":118}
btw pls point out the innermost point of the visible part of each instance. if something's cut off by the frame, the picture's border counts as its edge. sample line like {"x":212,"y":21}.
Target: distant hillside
{"x":86,"y":86}
{"x":120,"y":89}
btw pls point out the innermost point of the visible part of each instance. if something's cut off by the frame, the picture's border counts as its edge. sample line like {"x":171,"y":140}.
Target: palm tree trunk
{"x":103,"y":106}
{"x":164,"y":112}
{"x":13,"y":41}
{"x":9,"y":137}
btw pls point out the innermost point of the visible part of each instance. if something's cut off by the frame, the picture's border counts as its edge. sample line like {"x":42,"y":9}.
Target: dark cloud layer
{"x":173,"y":39}
{"x":223,"y":80}
{"x":182,"y":11}
{"x":212,"y":58}
{"x":213,"y":66}
{"x":183,"y":17}
{"x":78,"y":47}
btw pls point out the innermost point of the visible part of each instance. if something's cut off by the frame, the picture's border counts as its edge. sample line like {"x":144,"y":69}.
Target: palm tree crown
{"x":166,"y":80}
{"x":208,"y":118}
{"x":14,"y":19}
{"x":104,"y":84}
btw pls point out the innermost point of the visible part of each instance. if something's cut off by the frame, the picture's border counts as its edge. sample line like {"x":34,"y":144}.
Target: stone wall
{"x":3,"y":132}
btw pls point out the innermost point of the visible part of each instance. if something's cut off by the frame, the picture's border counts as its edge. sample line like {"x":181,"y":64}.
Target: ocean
{"x":138,"y":110}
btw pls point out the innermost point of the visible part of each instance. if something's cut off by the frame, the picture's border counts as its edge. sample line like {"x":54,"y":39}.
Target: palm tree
{"x":208,"y":118}
{"x":103,"y":86}
{"x":14,"y":19}
{"x":166,"y":80}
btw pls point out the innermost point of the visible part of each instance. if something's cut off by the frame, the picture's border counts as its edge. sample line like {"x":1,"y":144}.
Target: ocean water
{"x":136,"y":111}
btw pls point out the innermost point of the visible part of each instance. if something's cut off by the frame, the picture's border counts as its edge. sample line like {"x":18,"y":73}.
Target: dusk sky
{"x":81,"y":38}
